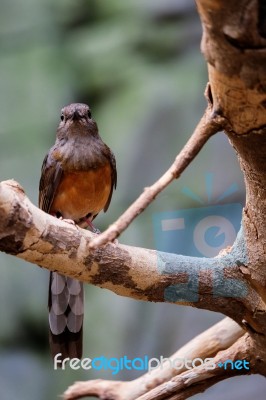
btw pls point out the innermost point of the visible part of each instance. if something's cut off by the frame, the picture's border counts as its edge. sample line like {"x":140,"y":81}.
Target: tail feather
{"x":66,"y":310}
{"x":67,"y":343}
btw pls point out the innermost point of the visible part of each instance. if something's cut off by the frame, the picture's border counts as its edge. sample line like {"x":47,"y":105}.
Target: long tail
{"x":66,"y":311}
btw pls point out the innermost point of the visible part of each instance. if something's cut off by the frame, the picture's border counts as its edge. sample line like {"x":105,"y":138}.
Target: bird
{"x":78,"y":176}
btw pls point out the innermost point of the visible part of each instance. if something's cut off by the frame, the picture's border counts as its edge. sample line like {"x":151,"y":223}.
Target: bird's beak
{"x":76,"y":116}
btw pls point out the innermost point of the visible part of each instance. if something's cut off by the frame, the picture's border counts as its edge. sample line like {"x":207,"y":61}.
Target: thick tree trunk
{"x":234,"y":45}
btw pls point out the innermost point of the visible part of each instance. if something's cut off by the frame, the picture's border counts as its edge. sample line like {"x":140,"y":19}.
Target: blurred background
{"x":137,"y":63}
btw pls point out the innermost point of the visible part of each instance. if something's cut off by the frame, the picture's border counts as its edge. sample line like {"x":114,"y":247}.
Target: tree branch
{"x":219,"y":337}
{"x":199,"y":379}
{"x":215,"y":284}
{"x":209,"y":124}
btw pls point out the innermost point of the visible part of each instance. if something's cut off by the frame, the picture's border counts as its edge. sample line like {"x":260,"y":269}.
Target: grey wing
{"x":50,"y":178}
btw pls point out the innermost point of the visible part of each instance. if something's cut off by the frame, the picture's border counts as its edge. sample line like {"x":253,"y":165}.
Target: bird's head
{"x":76,"y":120}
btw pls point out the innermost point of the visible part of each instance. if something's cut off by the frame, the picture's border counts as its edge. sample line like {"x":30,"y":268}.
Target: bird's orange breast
{"x":82,"y":192}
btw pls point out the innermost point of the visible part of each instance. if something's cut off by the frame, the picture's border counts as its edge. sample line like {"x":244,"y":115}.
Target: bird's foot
{"x":68,"y":221}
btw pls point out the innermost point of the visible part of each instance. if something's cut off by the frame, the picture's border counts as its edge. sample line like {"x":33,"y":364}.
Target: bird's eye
{"x":89,"y":114}
{"x":62,"y":117}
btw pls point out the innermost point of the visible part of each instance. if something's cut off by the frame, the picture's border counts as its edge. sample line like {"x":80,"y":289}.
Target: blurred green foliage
{"x":138,"y":65}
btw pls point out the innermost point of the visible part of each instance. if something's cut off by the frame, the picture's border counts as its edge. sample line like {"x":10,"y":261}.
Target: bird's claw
{"x":68,"y":221}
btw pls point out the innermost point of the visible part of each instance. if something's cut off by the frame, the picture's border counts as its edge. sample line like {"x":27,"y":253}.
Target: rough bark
{"x":234,"y":45}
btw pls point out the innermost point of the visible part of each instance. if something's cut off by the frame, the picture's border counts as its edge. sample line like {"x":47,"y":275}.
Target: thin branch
{"x":219,"y":337}
{"x":209,"y":124}
{"x":198,"y":379}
